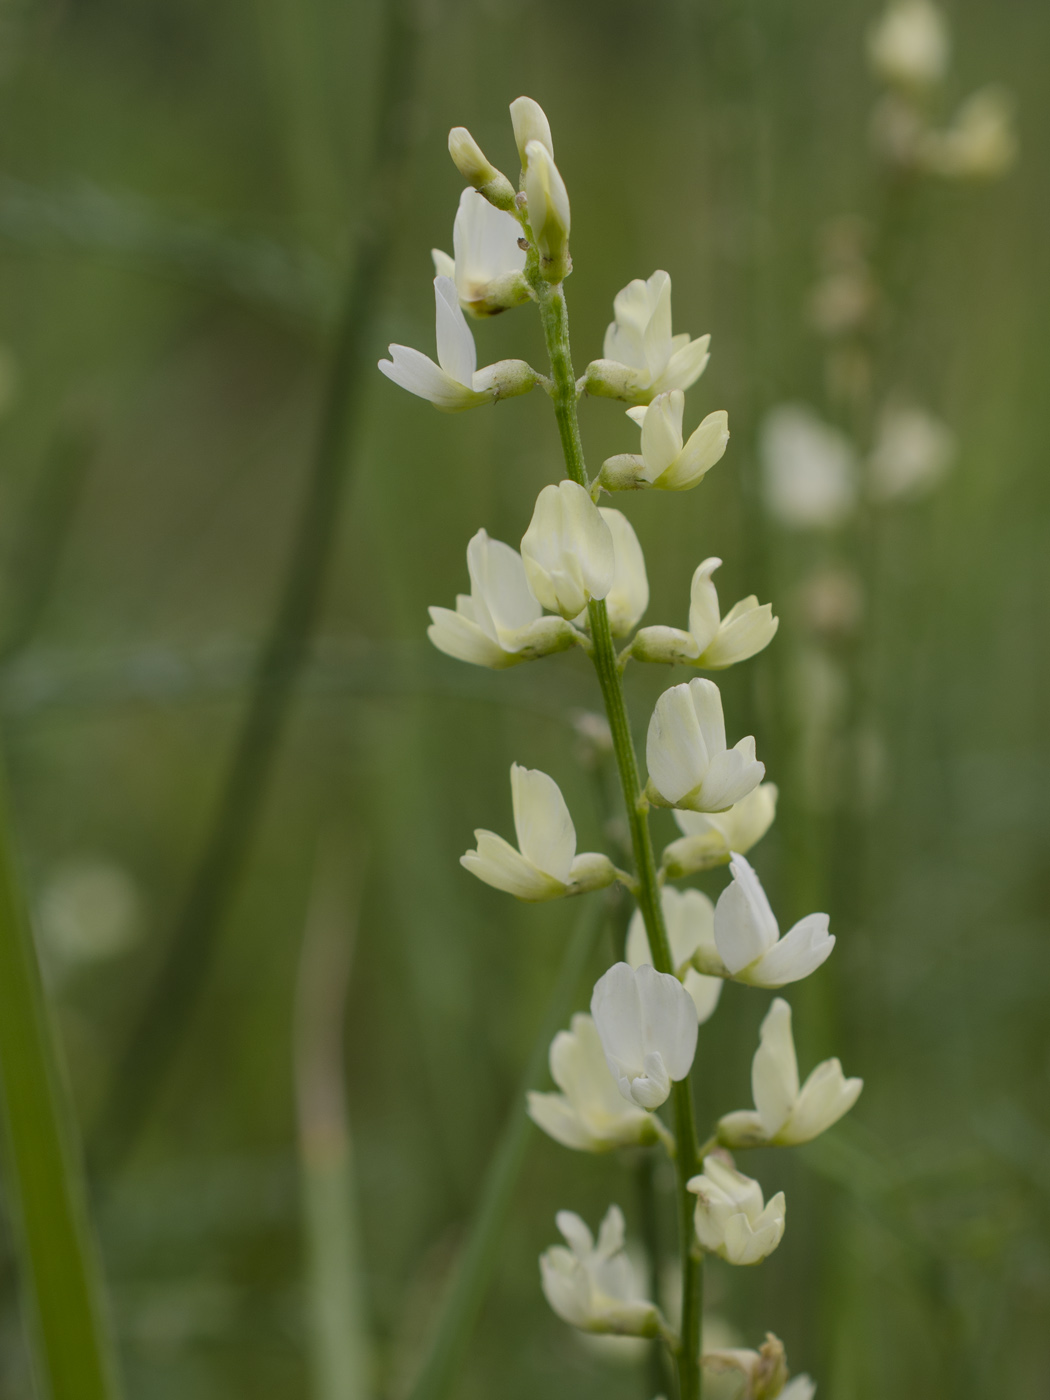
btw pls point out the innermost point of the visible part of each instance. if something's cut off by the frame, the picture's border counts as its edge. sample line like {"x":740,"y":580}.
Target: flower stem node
{"x":667,"y":463}
{"x":712,"y":641}
{"x":548,"y":211}
{"x":748,"y":937}
{"x":545,"y":865}
{"x":592,"y":1286}
{"x":568,"y":550}
{"x":476,"y":168}
{"x":648,"y":1026}
{"x":488,"y":265}
{"x":786,"y":1115}
{"x":590,"y":1114}
{"x":689,"y":763}
{"x":455,"y":383}
{"x":731,"y":1219}
{"x":690,"y":919}
{"x":500,"y":623}
{"x":709,"y":839}
{"x":641,"y":357}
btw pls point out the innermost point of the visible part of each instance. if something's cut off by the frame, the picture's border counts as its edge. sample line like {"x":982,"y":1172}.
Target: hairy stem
{"x":555,"y":319}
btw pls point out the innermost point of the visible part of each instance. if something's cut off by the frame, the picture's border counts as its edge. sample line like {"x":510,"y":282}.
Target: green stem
{"x":68,"y":1332}
{"x":554,"y":315}
{"x":463,"y":1301}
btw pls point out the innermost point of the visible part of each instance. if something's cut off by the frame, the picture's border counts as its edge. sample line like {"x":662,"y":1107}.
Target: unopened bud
{"x":476,"y":168}
{"x":530,"y":124}
{"x":609,"y":379}
{"x":506,"y":379}
{"x":624,"y":472}
{"x":548,"y":202}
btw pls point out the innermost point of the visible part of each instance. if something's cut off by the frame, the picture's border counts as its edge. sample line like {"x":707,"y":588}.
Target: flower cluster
{"x":576,"y":581}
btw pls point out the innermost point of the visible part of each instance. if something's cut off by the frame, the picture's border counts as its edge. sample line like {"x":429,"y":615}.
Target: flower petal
{"x":546,"y":835}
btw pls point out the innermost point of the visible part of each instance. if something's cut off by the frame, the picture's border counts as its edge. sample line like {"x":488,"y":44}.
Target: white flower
{"x":642,"y":357}
{"x":748,"y":935}
{"x":709,"y":839}
{"x":500,"y":623}
{"x":590,"y":1113}
{"x":647,"y":1024}
{"x":568,"y":550}
{"x":690,"y":919}
{"x":786,"y":1115}
{"x":801,"y":1387}
{"x":666,"y":461}
{"x":546,"y":865}
{"x":913,"y":451}
{"x":713,"y":642}
{"x":628,"y":597}
{"x":487,"y":266}
{"x":908,"y":46}
{"x":592,"y":1286}
{"x":809,"y":469}
{"x":689,"y":764}
{"x":980,"y":144}
{"x":455,"y":382}
{"x":731,"y":1219}
{"x":548,"y":209}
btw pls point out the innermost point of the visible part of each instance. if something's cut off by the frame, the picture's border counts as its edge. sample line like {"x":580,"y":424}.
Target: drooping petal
{"x":418,"y":373}
{"x":546,"y":835}
{"x":460,"y":637}
{"x":497,"y":863}
{"x":801,"y":951}
{"x":554,"y":1115}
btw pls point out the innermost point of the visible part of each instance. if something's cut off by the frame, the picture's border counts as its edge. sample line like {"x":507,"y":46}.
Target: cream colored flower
{"x":592,"y":1286}
{"x":628,"y":597}
{"x":487,"y":264}
{"x":499,"y":623}
{"x":712,"y":642}
{"x":568,"y":550}
{"x":709,"y":838}
{"x":667,"y":462}
{"x":689,"y":763}
{"x":545,"y":865}
{"x":647,"y":1024}
{"x":786,"y":1115}
{"x":748,"y":936}
{"x":731,"y":1219}
{"x":641,"y":356}
{"x":690,"y":919}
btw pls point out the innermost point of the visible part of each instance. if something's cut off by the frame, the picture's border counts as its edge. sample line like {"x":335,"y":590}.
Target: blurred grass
{"x":711,"y":140}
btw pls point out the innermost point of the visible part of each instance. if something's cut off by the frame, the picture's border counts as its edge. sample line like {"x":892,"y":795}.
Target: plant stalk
{"x":554,"y":315}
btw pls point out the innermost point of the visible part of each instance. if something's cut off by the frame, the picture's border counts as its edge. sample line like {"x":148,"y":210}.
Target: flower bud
{"x":568,"y":550}
{"x":549,"y":219}
{"x":530,"y":123}
{"x":475,"y":167}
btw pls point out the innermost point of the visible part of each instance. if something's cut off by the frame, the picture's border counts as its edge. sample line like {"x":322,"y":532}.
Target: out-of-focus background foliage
{"x":181,"y":189}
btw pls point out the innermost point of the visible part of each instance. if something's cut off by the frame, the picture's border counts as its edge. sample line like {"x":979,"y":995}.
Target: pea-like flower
{"x":641,"y":356}
{"x":710,"y":838}
{"x":455,"y":382}
{"x":748,"y":936}
{"x":628,"y":597}
{"x":731,"y":1218}
{"x":713,"y":642}
{"x":545,"y":865}
{"x":689,"y":763}
{"x":690,"y":919}
{"x":568,"y":550}
{"x":647,"y":1023}
{"x":487,"y":263}
{"x":499,"y":623}
{"x":593,"y":1286}
{"x":764,"y":1372}
{"x":667,"y":462}
{"x":785,"y":1114}
{"x":590,"y":1114}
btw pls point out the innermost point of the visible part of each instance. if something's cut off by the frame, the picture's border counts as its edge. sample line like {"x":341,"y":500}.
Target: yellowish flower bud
{"x":476,"y":168}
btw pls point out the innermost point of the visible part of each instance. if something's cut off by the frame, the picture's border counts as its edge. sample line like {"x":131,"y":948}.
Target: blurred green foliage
{"x":180,"y":187}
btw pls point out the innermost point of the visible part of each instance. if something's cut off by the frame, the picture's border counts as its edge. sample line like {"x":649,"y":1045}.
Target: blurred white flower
{"x":568,"y":550}
{"x":455,"y":382}
{"x":546,"y":865}
{"x":593,"y":1286}
{"x":713,"y":642}
{"x":690,"y":919}
{"x":590,"y":1114}
{"x":731,"y":1218}
{"x":641,"y":356}
{"x":487,"y":264}
{"x":809,"y":469}
{"x":909,"y":45}
{"x":785,"y":1114}
{"x":499,"y":623}
{"x":912,"y":453}
{"x":689,"y":763}
{"x":667,"y":462}
{"x":89,"y":910}
{"x":709,"y":838}
{"x":748,"y":936}
{"x":647,"y":1024}
{"x":764,"y":1371}
{"x":981,"y":142}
